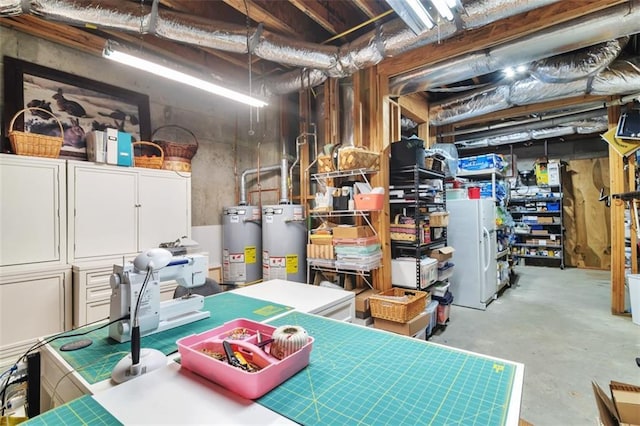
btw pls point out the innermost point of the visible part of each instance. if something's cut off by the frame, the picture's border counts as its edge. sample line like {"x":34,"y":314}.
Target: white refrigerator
{"x":472,"y":233}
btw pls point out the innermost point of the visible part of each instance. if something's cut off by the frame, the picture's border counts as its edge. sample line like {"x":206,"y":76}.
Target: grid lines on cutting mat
{"x":361,"y":376}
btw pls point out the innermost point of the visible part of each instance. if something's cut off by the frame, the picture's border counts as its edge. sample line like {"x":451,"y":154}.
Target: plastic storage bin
{"x":403,"y":272}
{"x":432,"y":311}
{"x":250,"y":385}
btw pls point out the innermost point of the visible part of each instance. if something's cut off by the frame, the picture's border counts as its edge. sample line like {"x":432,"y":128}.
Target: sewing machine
{"x":155,"y":266}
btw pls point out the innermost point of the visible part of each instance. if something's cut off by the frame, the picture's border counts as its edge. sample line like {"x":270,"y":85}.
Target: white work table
{"x":332,"y":303}
{"x":173,"y":395}
{"x":323,"y":301}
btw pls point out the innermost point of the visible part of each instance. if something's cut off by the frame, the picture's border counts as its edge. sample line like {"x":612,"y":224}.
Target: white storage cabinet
{"x":33,"y":219}
{"x":116,"y":211}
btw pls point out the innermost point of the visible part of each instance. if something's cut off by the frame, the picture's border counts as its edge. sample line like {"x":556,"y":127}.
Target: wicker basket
{"x":398,"y":310}
{"x":325,"y":164}
{"x":439,"y":219}
{"x":148,"y":161}
{"x":25,"y":143}
{"x":179,"y":145}
{"x":353,"y":158}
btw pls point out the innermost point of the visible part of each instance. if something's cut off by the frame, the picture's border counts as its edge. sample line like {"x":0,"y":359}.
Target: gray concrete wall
{"x":221,"y":126}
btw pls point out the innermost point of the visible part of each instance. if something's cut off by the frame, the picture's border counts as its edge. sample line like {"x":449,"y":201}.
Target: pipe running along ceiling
{"x":593,"y":70}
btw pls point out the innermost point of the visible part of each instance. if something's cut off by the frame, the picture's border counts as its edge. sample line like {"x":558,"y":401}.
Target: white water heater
{"x":241,"y":245}
{"x":284,"y":243}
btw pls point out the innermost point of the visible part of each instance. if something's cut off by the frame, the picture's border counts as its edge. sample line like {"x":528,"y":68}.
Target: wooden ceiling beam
{"x":59,"y":33}
{"x":415,"y":107}
{"x":276,"y":17}
{"x":499,"y":32}
{"x":319,"y":14}
{"x":369,"y":7}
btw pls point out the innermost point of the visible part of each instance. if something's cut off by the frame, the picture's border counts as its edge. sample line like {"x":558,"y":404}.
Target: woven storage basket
{"x":353,"y":158}
{"x":25,"y":143}
{"x":439,"y":219}
{"x":148,"y":161}
{"x":398,"y":310}
{"x":179,"y":145}
{"x":325,"y":164}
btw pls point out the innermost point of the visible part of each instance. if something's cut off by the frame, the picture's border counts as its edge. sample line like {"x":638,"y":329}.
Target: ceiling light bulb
{"x":521,"y":68}
{"x":110,"y":52}
{"x":509,"y":72}
{"x":443,"y":9}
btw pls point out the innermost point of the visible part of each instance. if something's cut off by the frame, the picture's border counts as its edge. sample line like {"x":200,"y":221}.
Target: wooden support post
{"x":633,"y":206}
{"x":377,"y":109}
{"x":617,"y":186}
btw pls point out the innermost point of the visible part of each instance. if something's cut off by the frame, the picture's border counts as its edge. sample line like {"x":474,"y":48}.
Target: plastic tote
{"x":634,"y":297}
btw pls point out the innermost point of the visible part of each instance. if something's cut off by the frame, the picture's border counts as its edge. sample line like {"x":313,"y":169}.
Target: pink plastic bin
{"x":246,"y":384}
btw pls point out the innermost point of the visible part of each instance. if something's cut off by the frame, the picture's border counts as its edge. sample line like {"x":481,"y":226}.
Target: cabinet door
{"x":32,"y":211}
{"x":33,"y":305}
{"x":165,"y":208}
{"x":103,"y":211}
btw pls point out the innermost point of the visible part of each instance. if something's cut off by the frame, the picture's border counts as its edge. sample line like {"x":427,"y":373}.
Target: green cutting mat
{"x":94,"y":363}
{"x":82,"y":411}
{"x":361,"y":376}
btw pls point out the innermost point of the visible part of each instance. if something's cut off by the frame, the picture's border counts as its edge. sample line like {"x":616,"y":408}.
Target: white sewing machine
{"x":155,"y":266}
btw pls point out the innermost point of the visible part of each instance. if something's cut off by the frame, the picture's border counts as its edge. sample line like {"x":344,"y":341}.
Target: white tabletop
{"x":174,"y":395}
{"x":303,"y":297}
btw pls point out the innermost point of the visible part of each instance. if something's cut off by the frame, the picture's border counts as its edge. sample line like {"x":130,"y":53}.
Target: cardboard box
{"x":352,"y":231}
{"x":623,"y":408}
{"x":441,"y":254}
{"x":363,"y":307}
{"x":545,"y":219}
{"x":411,"y":328}
{"x":540,"y":232}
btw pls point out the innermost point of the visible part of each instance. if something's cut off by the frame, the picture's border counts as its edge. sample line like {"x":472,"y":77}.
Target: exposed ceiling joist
{"x":321,"y":15}
{"x":370,"y":8}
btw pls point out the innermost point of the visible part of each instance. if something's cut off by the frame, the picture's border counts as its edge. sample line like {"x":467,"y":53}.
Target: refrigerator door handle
{"x":487,"y":248}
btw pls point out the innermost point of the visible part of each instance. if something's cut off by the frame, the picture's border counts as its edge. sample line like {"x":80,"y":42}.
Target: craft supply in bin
{"x":196,"y":355}
{"x":397,"y":304}
{"x":34,"y":144}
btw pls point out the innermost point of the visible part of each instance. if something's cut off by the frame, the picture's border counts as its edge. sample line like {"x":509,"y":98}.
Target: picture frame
{"x":78,"y":103}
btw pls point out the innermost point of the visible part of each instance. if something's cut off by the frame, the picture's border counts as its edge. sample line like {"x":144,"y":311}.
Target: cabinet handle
{"x":138,"y":205}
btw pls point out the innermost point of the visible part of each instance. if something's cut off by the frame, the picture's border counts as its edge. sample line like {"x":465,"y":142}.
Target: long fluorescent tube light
{"x":443,"y":9}
{"x":110,"y":52}
{"x":413,"y":14}
{"x":419,"y":10}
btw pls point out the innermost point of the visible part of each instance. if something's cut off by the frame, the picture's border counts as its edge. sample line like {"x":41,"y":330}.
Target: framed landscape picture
{"x":78,"y":104}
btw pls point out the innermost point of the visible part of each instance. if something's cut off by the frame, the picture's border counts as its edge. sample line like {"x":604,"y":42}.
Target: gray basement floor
{"x":558,"y":324}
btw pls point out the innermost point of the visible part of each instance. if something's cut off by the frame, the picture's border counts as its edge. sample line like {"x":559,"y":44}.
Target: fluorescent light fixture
{"x":453,"y":4}
{"x":521,"y":68}
{"x":413,"y":13}
{"x":443,"y":9}
{"x":112,"y":51}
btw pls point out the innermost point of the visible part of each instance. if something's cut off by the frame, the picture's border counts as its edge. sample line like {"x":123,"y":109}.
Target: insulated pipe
{"x":615,"y":22}
{"x":388,"y":39}
{"x":243,"y":180}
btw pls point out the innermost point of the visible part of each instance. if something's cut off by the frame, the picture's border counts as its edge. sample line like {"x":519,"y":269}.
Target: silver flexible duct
{"x":389,"y":39}
{"x":571,"y":72}
{"x":615,"y":22}
{"x":243,"y":179}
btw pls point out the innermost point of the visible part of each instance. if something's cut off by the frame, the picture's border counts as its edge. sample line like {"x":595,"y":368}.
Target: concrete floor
{"x":558,"y":324}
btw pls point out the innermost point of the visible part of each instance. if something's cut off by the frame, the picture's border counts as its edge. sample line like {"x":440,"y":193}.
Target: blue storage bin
{"x":553,"y":207}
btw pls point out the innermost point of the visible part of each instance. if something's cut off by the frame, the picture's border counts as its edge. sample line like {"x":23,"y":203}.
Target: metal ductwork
{"x":283,"y":180}
{"x":583,"y":123}
{"x":388,"y":39}
{"x":572,"y":75}
{"x":612,"y":23}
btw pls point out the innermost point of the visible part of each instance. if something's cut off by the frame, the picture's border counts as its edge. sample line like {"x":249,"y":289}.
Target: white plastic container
{"x":432,"y":311}
{"x":403,"y":272}
{"x":634,"y":297}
